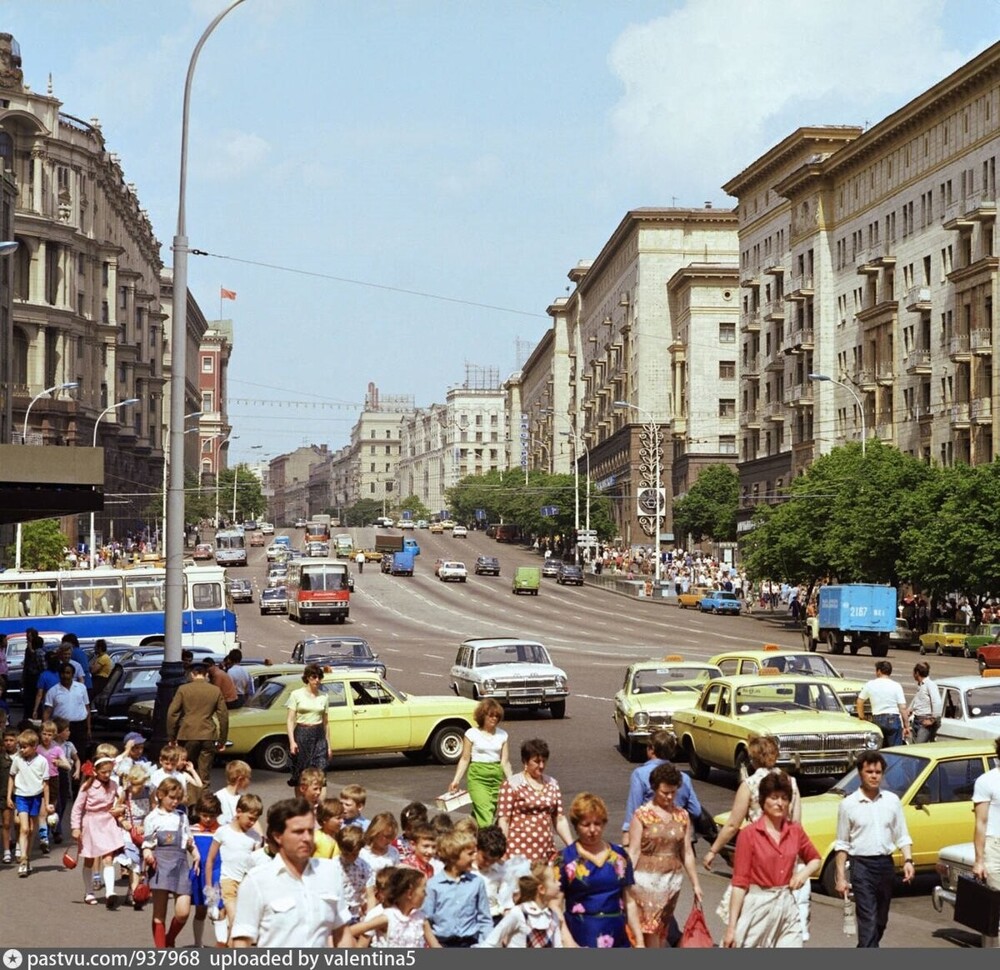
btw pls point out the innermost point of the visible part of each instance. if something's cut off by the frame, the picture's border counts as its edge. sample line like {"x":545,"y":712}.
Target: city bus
{"x":231,"y":548}
{"x":122,"y":605}
{"x":318,"y":588}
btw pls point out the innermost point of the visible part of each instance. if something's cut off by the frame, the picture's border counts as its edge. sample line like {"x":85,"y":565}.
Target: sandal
{"x":90,"y":899}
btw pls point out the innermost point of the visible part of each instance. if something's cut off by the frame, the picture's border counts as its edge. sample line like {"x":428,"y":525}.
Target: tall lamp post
{"x":107,"y":410}
{"x":27,"y":411}
{"x":854,"y":394}
{"x":653,"y":436}
{"x":172,"y":671}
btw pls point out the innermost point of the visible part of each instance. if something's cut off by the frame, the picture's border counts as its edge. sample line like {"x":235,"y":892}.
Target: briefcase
{"x":977,"y":906}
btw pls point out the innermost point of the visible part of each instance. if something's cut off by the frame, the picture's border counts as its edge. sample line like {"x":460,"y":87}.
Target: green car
{"x":527,"y":579}
{"x":984,"y":634}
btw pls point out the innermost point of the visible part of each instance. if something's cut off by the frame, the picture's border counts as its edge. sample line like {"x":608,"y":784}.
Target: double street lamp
{"x":655,"y":444}
{"x":107,"y":410}
{"x":854,"y":394}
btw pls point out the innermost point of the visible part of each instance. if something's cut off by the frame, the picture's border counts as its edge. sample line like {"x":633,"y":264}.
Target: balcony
{"x":981,"y":341}
{"x":774,"y":310}
{"x":864,"y":379}
{"x":802,"y":287}
{"x":798,"y":341}
{"x":884,"y":374}
{"x":883,"y":431}
{"x":750,"y":321}
{"x":775,"y":364}
{"x":774,"y":265}
{"x":774,"y":411}
{"x":958,"y":347}
{"x":917,"y":361}
{"x":750,"y":277}
{"x":918,"y":299}
{"x":954,"y":218}
{"x":751,"y":419}
{"x":981,"y":410}
{"x":920,"y":412}
{"x":751,"y":366}
{"x":981,"y":206}
{"x":800,"y":395}
{"x":959,"y":415}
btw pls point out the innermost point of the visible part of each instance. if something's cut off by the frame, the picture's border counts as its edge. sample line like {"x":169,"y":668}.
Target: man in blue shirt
{"x":456,"y":904}
{"x":659,"y":750}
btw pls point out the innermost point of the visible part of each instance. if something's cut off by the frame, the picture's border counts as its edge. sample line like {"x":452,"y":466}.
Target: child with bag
{"x":136,"y":801}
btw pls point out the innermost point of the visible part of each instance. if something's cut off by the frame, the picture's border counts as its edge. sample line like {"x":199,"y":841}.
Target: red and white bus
{"x":318,"y":588}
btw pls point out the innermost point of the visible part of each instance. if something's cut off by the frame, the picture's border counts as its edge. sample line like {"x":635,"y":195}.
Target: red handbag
{"x":696,"y":932}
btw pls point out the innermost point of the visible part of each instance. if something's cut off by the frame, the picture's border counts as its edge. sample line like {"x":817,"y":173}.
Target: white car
{"x":452,"y":572}
{"x":267,"y":528}
{"x":971,"y":708}
{"x":459,"y":532}
{"x":405,"y":524}
{"x":953,"y":862}
{"x":517,"y":673}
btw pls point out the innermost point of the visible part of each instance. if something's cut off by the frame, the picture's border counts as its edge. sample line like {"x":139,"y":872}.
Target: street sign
{"x":549,"y":510}
{"x":480,"y":515}
{"x":407,"y":514}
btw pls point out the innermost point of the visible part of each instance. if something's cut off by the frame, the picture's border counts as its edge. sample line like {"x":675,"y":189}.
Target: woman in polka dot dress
{"x":530,"y":807}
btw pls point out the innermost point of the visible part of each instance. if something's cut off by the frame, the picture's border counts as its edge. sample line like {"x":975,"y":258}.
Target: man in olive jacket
{"x":198,"y":720}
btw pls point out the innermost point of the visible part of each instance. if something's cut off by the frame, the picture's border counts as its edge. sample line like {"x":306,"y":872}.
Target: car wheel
{"x":967,"y":653}
{"x":854,"y":648}
{"x":446,"y":745}
{"x":558,"y":709}
{"x":923,"y":650}
{"x":836,"y":645}
{"x":982,"y":665}
{"x":273,"y":755}
{"x":939,"y":652}
{"x":828,"y":879}
{"x":743,"y":762}
{"x":809,"y":643}
{"x":699,"y":769}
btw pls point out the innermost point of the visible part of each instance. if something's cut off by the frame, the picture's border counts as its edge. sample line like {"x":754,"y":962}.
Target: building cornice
{"x":694,"y":272}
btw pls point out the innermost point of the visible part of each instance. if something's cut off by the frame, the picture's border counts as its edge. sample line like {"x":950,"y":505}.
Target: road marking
{"x":434,"y":656}
{"x":424,"y":674}
{"x":591,"y":697}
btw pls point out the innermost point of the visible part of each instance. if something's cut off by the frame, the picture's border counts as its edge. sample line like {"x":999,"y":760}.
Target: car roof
{"x":671,"y":664}
{"x":759,"y":654}
{"x":965,"y":681}
{"x":755,"y":680}
{"x":497,"y":641}
{"x":945,"y":749}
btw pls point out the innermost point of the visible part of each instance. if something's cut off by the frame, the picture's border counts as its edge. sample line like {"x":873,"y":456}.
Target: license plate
{"x":822,"y":769}
{"x":526,"y":701}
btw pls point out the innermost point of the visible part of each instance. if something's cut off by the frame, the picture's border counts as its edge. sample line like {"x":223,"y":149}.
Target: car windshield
{"x":901,"y":770}
{"x":801,"y":663}
{"x":274,"y":593}
{"x":672,"y":678}
{"x":336,"y":649}
{"x":983,"y":701}
{"x":769,"y":695}
{"x":265,"y":696}
{"x":512,"y":653}
{"x":140,"y":679}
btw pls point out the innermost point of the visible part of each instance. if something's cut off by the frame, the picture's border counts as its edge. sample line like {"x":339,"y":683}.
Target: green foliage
{"x":415,"y":507}
{"x":43,"y":546}
{"x":709,"y":508}
{"x":363,"y":512}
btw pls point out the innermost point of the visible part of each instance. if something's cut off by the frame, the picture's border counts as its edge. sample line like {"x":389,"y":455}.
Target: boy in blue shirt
{"x":456,"y":904}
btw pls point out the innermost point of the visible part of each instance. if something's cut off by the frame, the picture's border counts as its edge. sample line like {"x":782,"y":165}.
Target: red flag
{"x":225,"y":294}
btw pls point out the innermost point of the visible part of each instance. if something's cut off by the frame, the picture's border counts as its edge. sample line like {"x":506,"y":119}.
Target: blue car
{"x":720,"y":601}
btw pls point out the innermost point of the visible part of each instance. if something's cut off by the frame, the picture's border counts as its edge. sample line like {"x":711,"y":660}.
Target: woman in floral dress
{"x":530,"y":806}
{"x":659,"y":845}
{"x":597,"y":881}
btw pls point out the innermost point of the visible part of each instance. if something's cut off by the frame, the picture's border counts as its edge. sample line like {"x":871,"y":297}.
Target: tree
{"x":415,"y":507}
{"x":710,"y":506}
{"x":43,"y":546}
{"x":363,"y":512}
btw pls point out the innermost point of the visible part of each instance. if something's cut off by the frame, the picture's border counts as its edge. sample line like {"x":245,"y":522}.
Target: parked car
{"x":815,"y":734}
{"x":970,"y":707}
{"x":944,"y":637}
{"x":367,"y":715}
{"x":351,"y":652}
{"x":903,"y":637}
{"x":241,"y":590}
{"x":459,"y":532}
{"x":954,"y":862}
{"x":569,"y":574}
{"x":452,"y":572}
{"x":981,"y":636}
{"x":203,"y":552}
{"x":517,"y":673}
{"x":487,"y":566}
{"x":274,"y":599}
{"x":653,"y":690}
{"x":720,"y":601}
{"x":693,"y":596}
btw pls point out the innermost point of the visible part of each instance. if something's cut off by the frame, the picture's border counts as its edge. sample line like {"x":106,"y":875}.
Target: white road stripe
{"x":424,"y":674}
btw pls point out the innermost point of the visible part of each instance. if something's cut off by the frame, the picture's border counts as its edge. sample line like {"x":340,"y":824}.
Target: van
{"x":527,"y":579}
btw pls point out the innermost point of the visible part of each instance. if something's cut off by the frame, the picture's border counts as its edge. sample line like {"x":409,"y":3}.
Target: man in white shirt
{"x":925,"y":708}
{"x":888,"y":705}
{"x":870,"y":827}
{"x":986,"y":802}
{"x":69,"y":699}
{"x":294,"y":900}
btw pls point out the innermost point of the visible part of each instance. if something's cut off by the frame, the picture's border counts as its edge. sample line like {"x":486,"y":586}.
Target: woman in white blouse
{"x":486,"y":758}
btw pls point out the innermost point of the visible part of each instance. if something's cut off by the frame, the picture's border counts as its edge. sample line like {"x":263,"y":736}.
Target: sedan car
{"x":318,"y":550}
{"x":970,"y":707}
{"x":903,"y":637}
{"x":720,"y":601}
{"x":203,"y":552}
{"x":274,"y":599}
{"x":692,"y":596}
{"x":367,"y":715}
{"x":569,"y":574}
{"x":487,"y":566}
{"x":255,"y":538}
{"x":550,"y":568}
{"x":515,"y":672}
{"x":815,"y":734}
{"x":353,"y":652}
{"x":405,"y":524}
{"x":241,"y":590}
{"x":459,"y":532}
{"x":436,"y":528}
{"x":422,"y":523}
{"x":452,"y":572}
{"x":981,"y":636}
{"x":652,"y":692}
{"x":944,"y":637}
{"x":267,"y":528}
{"x":276,"y":551}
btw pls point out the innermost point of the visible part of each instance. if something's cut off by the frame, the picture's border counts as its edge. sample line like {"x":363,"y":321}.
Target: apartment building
{"x":214,"y":429}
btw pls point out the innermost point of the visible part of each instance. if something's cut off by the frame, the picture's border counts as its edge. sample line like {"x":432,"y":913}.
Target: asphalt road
{"x":416,"y":625}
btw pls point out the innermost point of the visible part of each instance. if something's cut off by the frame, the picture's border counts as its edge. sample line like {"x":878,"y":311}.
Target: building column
{"x":37,"y":178}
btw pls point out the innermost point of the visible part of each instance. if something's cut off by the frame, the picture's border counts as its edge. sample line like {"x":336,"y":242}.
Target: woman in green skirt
{"x":485,"y":756}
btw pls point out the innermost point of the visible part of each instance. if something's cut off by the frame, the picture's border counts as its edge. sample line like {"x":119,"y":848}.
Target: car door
{"x":381,"y":720}
{"x":461,"y":672}
{"x":340,"y":722}
{"x":719,"y":743}
{"x":703,"y":721}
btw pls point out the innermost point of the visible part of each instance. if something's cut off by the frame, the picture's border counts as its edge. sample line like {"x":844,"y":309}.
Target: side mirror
{"x":921,"y":800}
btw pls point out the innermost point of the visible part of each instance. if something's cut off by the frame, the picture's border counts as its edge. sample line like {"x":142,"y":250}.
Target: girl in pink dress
{"x":402,"y":921}
{"x":95,"y":827}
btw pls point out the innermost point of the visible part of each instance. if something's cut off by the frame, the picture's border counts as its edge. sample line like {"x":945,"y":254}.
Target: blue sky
{"x":470,"y":150}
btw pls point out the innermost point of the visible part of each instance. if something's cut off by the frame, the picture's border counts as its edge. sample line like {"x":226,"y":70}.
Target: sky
{"x":396,"y":189}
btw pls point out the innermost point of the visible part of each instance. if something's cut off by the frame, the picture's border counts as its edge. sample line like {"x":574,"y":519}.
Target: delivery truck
{"x":853,"y":615}
{"x":388,"y":544}
{"x":402,"y":563}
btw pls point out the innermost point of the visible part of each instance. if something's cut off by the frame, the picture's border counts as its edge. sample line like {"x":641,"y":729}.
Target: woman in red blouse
{"x":763,"y":911}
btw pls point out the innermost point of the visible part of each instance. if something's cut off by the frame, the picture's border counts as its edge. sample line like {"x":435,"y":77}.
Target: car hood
{"x":509,"y":671}
{"x":790,"y":723}
{"x":671,"y":699}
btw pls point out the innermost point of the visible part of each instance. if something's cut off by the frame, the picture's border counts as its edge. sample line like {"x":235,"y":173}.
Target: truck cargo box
{"x":858,"y":606}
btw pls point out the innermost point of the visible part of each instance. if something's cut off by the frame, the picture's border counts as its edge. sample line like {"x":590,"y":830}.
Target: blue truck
{"x":402,"y":563}
{"x":853,"y":615}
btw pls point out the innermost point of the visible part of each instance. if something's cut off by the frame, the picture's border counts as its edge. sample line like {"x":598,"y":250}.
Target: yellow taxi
{"x":653,"y":690}
{"x":945,"y":637}
{"x":798,"y":662}
{"x":435,"y":528}
{"x":693,"y":596}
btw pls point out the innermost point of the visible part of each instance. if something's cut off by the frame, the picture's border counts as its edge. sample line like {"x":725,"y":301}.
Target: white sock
{"x":109,"y":880}
{"x":88,"y":875}
{"x":199,"y":930}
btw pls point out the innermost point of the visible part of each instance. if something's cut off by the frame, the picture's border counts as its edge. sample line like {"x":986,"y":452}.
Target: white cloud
{"x":230,"y":154}
{"x":711,"y":86}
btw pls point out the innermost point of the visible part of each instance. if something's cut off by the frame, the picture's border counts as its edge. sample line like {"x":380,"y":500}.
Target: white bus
{"x":231,"y":548}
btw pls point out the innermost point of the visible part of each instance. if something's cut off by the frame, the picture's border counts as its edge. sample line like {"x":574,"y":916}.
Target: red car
{"x":203,"y":551}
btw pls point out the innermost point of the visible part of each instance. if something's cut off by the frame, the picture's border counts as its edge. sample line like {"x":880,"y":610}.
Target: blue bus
{"x":123,"y":605}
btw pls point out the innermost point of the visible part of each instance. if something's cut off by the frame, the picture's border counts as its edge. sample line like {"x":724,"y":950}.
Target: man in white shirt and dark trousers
{"x":986,"y":804}
{"x":925,"y":708}
{"x":888,"y":705}
{"x":870,"y":827}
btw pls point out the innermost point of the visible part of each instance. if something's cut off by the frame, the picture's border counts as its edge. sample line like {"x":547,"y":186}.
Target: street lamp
{"x":854,"y":394}
{"x":107,"y":410}
{"x":24,"y":435}
{"x":654,"y":443}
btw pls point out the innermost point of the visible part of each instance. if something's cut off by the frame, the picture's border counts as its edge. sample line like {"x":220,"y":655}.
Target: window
{"x":727,"y":407}
{"x":727,"y":444}
{"x":727,"y":370}
{"x":727,"y":332}
{"x":207,"y":364}
{"x":207,"y":401}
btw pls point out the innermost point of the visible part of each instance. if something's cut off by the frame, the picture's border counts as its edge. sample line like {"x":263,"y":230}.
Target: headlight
{"x":641,"y":719}
{"x":489,"y":686}
{"x":874,"y":742}
{"x":560,"y":682}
